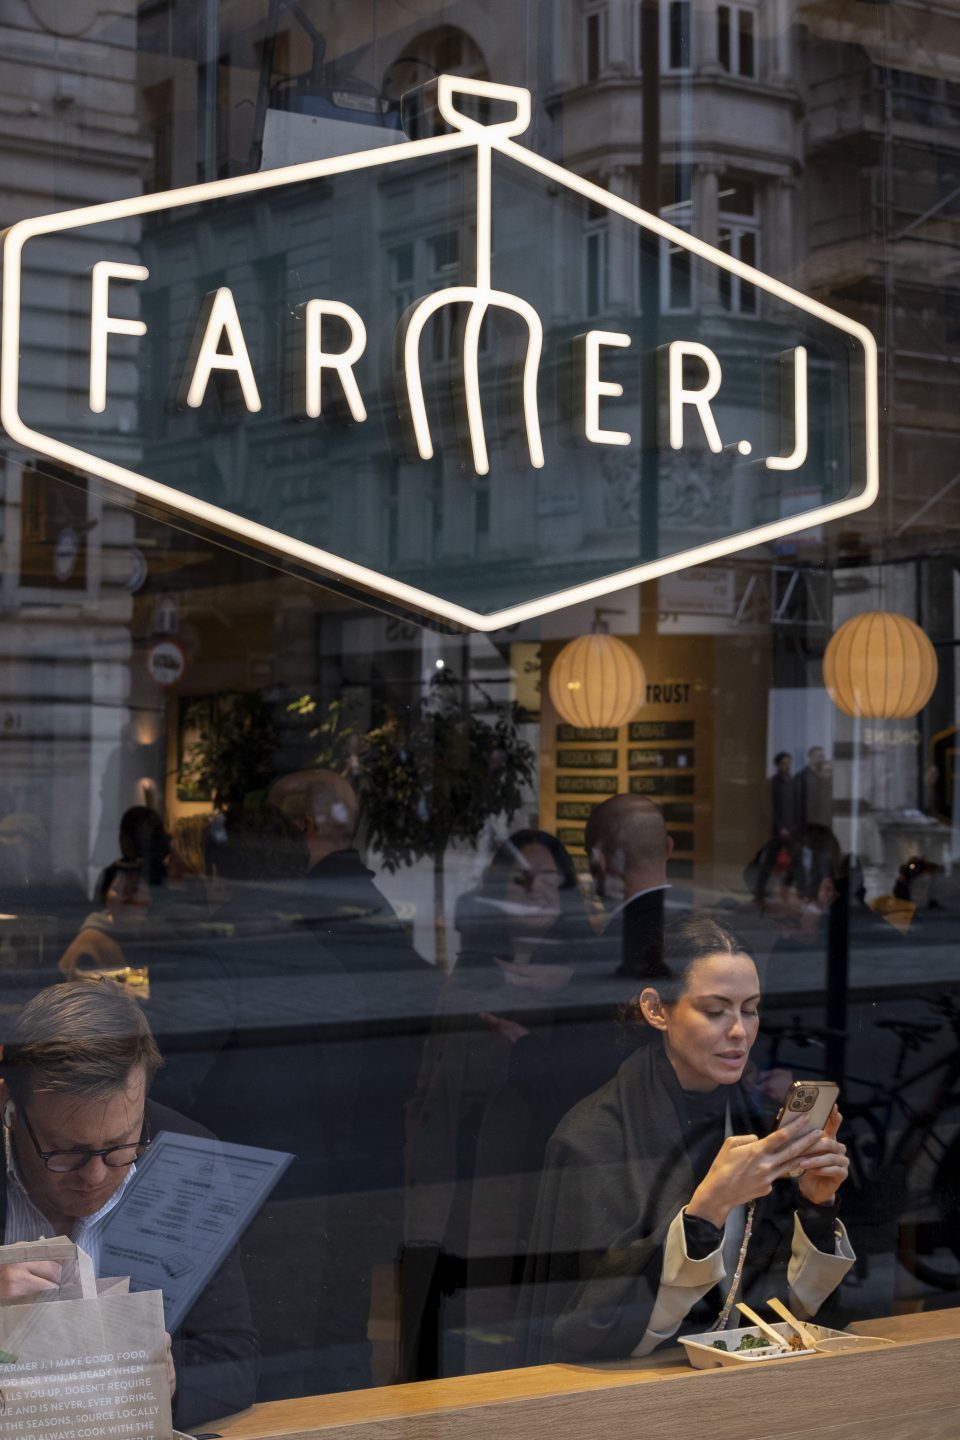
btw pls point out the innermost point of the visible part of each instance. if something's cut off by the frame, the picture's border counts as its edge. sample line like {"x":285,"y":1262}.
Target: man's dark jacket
{"x":355,"y":920}
{"x":785,"y":803}
{"x":215,"y":1350}
{"x":633,"y":935}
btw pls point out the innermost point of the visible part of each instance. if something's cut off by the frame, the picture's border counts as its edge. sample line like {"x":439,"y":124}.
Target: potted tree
{"x":231,"y":756}
{"x":431,"y":774}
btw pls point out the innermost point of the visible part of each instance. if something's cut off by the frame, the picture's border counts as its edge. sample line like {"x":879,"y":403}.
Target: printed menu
{"x":186,"y":1207}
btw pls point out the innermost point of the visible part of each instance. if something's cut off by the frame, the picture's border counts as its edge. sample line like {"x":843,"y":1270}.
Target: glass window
{"x":401,"y":268}
{"x":736,"y":39}
{"x":445,"y":253}
{"x":746,"y":56}
{"x":594,"y":31}
{"x":54,"y":527}
{"x":675,"y":43}
{"x":676,"y":264}
{"x":596,"y":261}
{"x":443,"y":262}
{"x":739,"y":236}
{"x":724,"y":51}
{"x":452,"y":705}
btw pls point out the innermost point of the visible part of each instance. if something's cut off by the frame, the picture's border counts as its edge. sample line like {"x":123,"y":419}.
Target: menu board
{"x":587,"y":759}
{"x":662,"y":754}
{"x":661,"y":785}
{"x":570,"y":732}
{"x":586,"y":785}
{"x":660,"y":730}
{"x":669,"y":758}
{"x":575,"y":809}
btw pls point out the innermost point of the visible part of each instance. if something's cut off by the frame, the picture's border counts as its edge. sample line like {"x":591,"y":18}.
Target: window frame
{"x":444,"y":323}
{"x":594,"y":12}
{"x":679,"y":213}
{"x":596,"y":232}
{"x":402,"y":291}
{"x":739,"y":225}
{"x":737,"y":11}
{"x":667,"y":10}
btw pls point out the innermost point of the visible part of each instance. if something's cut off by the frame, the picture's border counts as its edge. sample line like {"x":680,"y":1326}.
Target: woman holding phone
{"x":666,"y":1195}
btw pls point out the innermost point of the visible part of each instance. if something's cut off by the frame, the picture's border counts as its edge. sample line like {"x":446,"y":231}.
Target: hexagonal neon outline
{"x":486,"y":138}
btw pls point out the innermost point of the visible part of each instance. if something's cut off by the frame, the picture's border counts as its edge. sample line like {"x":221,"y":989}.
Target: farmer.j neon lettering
{"x":329,"y":340}
{"x":219,"y":344}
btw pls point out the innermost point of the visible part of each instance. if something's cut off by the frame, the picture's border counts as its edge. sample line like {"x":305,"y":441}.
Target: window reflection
{"x":379,"y":906}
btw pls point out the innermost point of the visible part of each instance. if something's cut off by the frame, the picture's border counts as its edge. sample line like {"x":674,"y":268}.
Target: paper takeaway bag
{"x":85,"y":1362}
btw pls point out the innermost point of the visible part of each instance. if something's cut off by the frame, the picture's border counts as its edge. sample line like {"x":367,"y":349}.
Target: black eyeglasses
{"x":62,"y":1162}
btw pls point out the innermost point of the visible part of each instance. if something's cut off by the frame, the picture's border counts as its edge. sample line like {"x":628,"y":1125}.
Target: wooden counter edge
{"x":350,"y":1410}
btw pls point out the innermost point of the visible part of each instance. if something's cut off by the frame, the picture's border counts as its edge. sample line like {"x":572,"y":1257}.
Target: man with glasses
{"x":75,"y":1071}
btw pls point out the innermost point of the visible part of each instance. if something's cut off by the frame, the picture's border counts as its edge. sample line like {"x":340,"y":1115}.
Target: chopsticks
{"x":768,"y":1330}
{"x":791,"y":1319}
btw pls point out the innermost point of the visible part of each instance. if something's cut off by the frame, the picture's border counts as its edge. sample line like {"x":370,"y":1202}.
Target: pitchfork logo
{"x":481,"y":296}
{"x":784,"y":415}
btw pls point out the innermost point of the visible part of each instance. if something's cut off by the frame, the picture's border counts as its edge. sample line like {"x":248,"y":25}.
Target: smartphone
{"x":812,"y":1098}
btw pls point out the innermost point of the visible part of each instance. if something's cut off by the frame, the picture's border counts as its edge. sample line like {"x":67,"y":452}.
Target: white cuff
{"x":813,"y":1275}
{"x":679,"y":1268}
{"x":682,"y":1283}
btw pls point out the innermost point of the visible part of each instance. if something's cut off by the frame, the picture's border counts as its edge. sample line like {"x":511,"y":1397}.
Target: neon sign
{"x":336,"y":375}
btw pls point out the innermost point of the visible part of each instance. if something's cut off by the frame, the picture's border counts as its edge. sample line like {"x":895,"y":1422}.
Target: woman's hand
{"x":825,"y":1166}
{"x":746,"y":1167}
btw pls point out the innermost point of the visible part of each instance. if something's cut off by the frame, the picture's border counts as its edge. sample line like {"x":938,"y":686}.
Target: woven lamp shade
{"x":597,"y":681}
{"x":880,"y":666}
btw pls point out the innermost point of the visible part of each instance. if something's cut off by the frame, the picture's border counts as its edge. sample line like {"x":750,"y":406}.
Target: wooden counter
{"x":910,"y":1392}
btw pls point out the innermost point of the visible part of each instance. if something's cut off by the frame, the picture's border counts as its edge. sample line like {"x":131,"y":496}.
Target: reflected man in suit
{"x":628,"y":847}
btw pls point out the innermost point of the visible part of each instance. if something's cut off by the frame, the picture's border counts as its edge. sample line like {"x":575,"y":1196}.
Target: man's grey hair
{"x":81,"y":1037}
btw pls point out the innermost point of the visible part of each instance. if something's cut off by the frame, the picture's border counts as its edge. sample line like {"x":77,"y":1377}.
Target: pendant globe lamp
{"x":597,"y":681}
{"x":880,"y":666}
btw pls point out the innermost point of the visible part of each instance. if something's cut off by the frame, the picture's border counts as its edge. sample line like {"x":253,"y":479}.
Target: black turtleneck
{"x":703,"y":1115}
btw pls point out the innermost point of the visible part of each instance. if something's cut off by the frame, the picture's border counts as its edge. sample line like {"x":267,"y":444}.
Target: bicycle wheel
{"x":869,"y":1197}
{"x":930,"y":1220}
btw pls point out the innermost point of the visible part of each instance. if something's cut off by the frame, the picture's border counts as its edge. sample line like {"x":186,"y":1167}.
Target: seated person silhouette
{"x":74,"y":1081}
